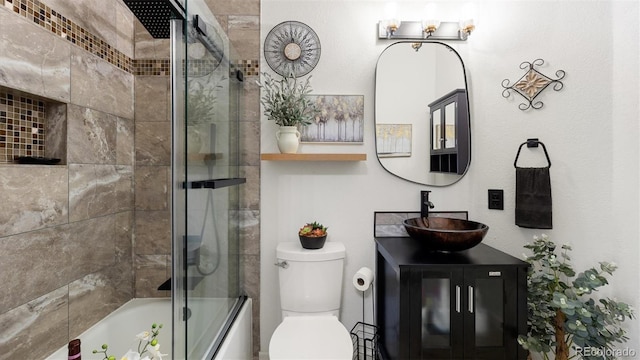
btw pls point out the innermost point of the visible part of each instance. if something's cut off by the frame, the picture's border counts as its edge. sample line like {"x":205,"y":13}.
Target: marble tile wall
{"x":99,"y":85}
{"x":112,"y":186}
{"x":78,"y":23}
{"x":152,"y":156}
{"x":92,"y":15}
{"x":32,"y":59}
{"x":56,"y":131}
{"x":104,"y":29}
{"x":66,"y":231}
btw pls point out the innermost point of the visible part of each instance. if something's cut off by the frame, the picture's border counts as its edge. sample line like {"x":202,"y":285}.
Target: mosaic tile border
{"x":22,"y":127}
{"x":157,"y":67}
{"x":51,"y":20}
{"x":249,"y":67}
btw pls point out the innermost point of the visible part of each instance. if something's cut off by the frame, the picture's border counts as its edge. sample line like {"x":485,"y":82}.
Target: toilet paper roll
{"x":363,"y":279}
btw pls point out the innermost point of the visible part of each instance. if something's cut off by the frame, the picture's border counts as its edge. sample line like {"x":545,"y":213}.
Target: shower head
{"x":155,"y":15}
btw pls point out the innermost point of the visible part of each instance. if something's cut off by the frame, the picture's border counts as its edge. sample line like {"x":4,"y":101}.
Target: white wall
{"x":590,"y":128}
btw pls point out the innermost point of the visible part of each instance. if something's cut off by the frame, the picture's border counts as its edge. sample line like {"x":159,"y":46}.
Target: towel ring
{"x":532,"y":143}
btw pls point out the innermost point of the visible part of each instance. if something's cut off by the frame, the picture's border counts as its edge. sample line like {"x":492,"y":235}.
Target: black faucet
{"x":425,"y":204}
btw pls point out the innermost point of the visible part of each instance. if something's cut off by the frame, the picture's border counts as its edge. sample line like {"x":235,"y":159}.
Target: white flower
{"x":134,"y":355}
{"x":144,"y":336}
{"x":131,"y":355}
{"x":155,"y":352}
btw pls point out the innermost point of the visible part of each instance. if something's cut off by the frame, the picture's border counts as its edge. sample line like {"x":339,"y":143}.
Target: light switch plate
{"x":496,"y":199}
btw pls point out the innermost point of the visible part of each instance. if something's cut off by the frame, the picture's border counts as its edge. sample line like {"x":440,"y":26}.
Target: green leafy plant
{"x":562,"y":311}
{"x":148,"y":343}
{"x":201,"y":103}
{"x":314,"y":229}
{"x":286,"y":102}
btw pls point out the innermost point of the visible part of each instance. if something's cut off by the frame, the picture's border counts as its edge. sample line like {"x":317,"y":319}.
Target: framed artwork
{"x":393,"y":140}
{"x":341,"y":120}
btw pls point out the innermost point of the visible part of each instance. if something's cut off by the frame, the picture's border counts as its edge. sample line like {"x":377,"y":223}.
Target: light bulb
{"x":468,"y":14}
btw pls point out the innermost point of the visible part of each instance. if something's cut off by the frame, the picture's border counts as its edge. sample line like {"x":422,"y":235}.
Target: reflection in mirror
{"x":421,"y":113}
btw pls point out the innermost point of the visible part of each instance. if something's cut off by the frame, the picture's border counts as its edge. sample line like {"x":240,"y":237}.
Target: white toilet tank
{"x":311,"y":280}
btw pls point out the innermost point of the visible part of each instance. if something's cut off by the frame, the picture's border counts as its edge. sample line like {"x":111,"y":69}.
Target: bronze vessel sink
{"x":445,"y":234}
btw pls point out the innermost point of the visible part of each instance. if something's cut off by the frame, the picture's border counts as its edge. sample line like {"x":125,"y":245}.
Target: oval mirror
{"x":422,"y":113}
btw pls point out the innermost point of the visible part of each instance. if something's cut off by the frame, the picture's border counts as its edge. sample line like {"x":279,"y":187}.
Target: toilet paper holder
{"x":364,"y":336}
{"x":362,"y":279}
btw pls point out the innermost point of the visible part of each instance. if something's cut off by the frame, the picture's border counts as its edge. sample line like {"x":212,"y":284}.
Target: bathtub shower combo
{"x":208,"y":315}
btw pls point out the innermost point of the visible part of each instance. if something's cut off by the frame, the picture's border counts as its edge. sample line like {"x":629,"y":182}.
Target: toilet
{"x":310,"y":290}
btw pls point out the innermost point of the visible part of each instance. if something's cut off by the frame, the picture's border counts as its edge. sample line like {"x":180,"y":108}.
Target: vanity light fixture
{"x":429,"y":27}
{"x":390,"y":27}
{"x":420,"y":30}
{"x":391,"y":22}
{"x":430,"y":20}
{"x":467,"y":26}
{"x":467,"y":13}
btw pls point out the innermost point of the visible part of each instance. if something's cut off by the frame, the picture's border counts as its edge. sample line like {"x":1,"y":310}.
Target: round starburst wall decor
{"x":292,"y":48}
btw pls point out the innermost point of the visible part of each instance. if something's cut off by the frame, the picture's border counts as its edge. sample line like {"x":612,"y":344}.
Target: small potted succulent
{"x":313,"y":235}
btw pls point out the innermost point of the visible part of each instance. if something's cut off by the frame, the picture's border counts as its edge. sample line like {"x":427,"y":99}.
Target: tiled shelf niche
{"x":31,"y":125}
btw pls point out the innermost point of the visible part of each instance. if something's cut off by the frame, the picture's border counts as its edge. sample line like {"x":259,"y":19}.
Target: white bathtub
{"x":119,"y":329}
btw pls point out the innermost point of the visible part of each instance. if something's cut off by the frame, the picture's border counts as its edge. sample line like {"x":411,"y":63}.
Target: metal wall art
{"x":531,"y":84}
{"x":292,"y":47}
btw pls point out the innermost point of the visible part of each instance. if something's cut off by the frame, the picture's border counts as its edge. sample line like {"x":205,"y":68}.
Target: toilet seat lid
{"x":310,"y":337}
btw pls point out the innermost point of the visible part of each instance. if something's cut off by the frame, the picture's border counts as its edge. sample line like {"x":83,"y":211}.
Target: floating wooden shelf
{"x":313,"y":157}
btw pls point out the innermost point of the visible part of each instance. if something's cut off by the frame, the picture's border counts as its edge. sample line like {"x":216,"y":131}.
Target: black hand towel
{"x":533,"y":198}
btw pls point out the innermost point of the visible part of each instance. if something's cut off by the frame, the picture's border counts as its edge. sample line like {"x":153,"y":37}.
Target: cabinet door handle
{"x":471,"y":299}
{"x":457,"y":299}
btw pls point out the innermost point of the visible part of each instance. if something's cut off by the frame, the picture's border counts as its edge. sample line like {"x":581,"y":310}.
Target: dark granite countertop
{"x":405,"y":251}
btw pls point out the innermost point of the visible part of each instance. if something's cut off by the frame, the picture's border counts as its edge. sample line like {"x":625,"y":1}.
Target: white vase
{"x":288,"y":139}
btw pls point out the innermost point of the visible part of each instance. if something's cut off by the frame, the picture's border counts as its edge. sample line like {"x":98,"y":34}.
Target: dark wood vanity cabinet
{"x":450,"y":133}
{"x":434,"y":305}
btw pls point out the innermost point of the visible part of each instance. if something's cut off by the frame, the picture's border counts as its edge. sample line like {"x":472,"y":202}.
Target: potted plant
{"x":147,"y":343}
{"x":312,"y":235}
{"x":285,"y":101}
{"x":563,"y":313}
{"x":201,"y":107}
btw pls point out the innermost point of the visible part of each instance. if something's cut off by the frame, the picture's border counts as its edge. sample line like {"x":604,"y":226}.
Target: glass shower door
{"x":207,"y":288}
